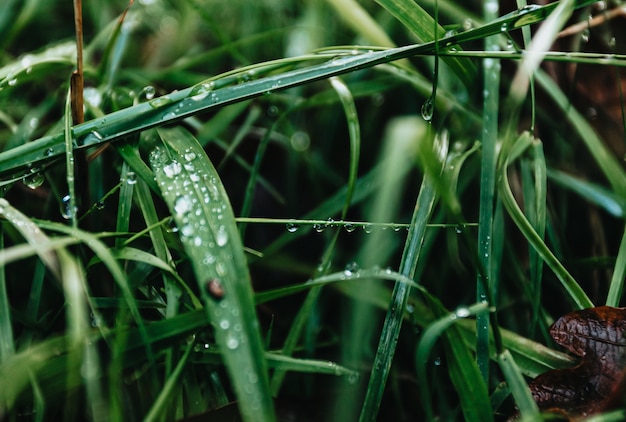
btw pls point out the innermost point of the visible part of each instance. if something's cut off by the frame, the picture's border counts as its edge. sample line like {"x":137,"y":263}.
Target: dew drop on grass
{"x":186,"y":230}
{"x":224,"y":324}
{"x":172,"y":169}
{"x":330,"y":223}
{"x":160,"y":102}
{"x":67,"y":210}
{"x":351,"y":269}
{"x":182,"y":205}
{"x":149,"y":92}
{"x":48,"y":152}
{"x":100,"y":205}
{"x":169,"y":115}
{"x":201,"y":91}
{"x":437,"y":361}
{"x":131,"y":178}
{"x":318,"y":227}
{"x":231,"y":341}
{"x":428,"y":110}
{"x":462,"y":312}
{"x":221,"y":237}
{"x":349,"y":227}
{"x":292,"y":227}
{"x":34,"y":180}
{"x":584,"y":36}
{"x":367,"y":228}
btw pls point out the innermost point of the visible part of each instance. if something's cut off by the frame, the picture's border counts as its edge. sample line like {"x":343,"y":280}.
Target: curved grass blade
{"x":199,"y":204}
{"x":430,"y":336}
{"x":523,"y":398}
{"x":191,"y":101}
{"x":576,"y":293}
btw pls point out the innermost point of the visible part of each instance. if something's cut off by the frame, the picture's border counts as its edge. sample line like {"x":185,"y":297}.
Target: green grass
{"x":273,"y":211}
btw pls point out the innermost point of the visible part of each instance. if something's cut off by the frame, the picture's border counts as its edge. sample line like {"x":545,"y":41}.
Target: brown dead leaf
{"x":597,"y":336}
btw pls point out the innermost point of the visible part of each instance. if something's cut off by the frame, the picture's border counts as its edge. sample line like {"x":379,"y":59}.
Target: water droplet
{"x":330,"y":223}
{"x":467,"y":24}
{"x":100,"y":205}
{"x":68,"y":210}
{"x":504,"y":27}
{"x":160,"y":102}
{"x":612,"y":42}
{"x":182,"y":205}
{"x":131,"y":178}
{"x":91,"y":138}
{"x":351,"y":269}
{"x":459,"y":228}
{"x":353,"y":378}
{"x":172,"y":169}
{"x":169,"y":115}
{"x":300,"y":141}
{"x":231,"y":341}
{"x":509,"y":44}
{"x":149,"y":92}
{"x":190,"y":156}
{"x":584,"y":35}
{"x":410,"y":308}
{"x":349,"y":227}
{"x":34,"y":180}
{"x":224,"y":324}
{"x":186,"y":230}
{"x":367,"y":228}
{"x":318,"y":227}
{"x":201,"y":91}
{"x":48,"y":152}
{"x":12,"y":82}
{"x":437,"y":361}
{"x":462,"y":312}
{"x":428,"y":110}
{"x":396,"y":227}
{"x":221,"y":237}
{"x":272,"y":111}
{"x":292,"y":227}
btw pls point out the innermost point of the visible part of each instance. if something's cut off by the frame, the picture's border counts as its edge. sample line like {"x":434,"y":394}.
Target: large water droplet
{"x":131,"y":178}
{"x":182,"y":205}
{"x":201,"y":91}
{"x":172,"y":169}
{"x":68,"y":210}
{"x":349,"y":227}
{"x":231,"y":341}
{"x":160,"y":102}
{"x":351,"y":269}
{"x":428,"y":110}
{"x":318,"y":227}
{"x":292,"y":227}
{"x":149,"y":92}
{"x":34,"y":180}
{"x":221,"y":237}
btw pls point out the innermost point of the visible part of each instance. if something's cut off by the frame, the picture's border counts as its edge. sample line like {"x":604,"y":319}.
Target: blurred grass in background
{"x":479,"y":189}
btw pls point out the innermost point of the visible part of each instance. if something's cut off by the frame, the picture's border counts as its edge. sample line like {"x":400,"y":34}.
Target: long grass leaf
{"x":199,"y":204}
{"x":576,"y":293}
{"x":393,"y":319}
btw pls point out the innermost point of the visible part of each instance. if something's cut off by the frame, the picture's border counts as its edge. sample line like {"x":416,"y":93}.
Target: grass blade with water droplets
{"x":199,"y":204}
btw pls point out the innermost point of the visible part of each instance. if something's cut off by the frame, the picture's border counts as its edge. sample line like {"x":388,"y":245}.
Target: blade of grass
{"x":576,"y":293}
{"x":433,"y":332}
{"x":486,"y":224}
{"x":523,"y":398}
{"x":616,"y":287}
{"x":200,"y":206}
{"x":410,"y":257}
{"x":7,"y":343}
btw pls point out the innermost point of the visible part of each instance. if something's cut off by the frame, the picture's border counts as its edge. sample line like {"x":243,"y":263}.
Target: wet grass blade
{"x":576,"y":293}
{"x":399,"y":297}
{"x":199,"y":204}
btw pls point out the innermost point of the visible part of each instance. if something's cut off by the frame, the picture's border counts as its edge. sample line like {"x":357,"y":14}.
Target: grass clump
{"x":271,"y":211}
